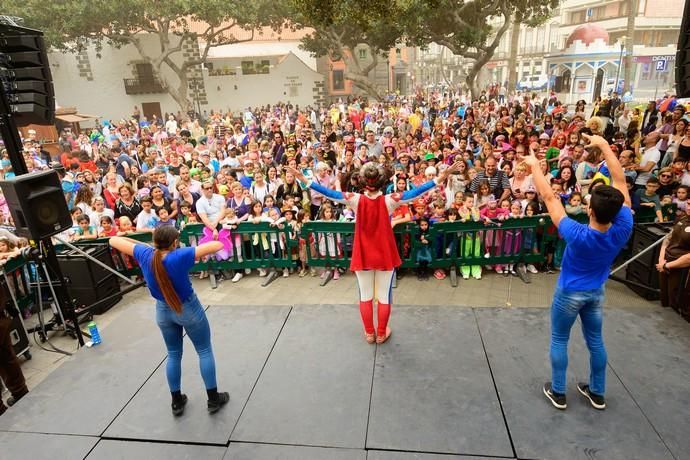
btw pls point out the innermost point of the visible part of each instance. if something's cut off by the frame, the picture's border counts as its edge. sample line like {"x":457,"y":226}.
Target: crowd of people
{"x":223,"y":168}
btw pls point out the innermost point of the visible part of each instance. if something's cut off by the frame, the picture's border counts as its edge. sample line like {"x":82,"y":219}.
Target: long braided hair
{"x":164,"y":238}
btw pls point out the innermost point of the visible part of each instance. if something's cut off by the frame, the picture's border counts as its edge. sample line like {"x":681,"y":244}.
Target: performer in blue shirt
{"x":589,"y":253}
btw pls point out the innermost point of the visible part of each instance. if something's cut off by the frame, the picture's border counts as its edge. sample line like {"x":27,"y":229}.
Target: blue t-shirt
{"x":177,"y":263}
{"x":590,"y":253}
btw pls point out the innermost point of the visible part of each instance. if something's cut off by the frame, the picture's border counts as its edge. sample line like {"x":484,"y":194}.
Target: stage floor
{"x":452,"y":382}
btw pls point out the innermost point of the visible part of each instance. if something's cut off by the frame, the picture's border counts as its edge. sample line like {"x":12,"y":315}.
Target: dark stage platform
{"x":452,"y":383}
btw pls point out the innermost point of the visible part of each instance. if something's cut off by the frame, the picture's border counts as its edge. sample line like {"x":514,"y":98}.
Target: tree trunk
{"x":512,"y":60}
{"x":471,"y":81}
{"x":633,"y":7}
{"x":362,"y":82}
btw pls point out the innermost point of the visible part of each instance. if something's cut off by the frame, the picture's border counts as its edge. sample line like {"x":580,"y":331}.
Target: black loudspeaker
{"x":683,"y":55}
{"x":25,"y":73}
{"x":37,"y":204}
{"x":643,"y":269}
{"x":87,"y":281}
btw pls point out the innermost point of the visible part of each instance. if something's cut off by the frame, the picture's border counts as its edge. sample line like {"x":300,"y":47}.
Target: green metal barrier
{"x":453,"y":244}
{"x":254,"y":246}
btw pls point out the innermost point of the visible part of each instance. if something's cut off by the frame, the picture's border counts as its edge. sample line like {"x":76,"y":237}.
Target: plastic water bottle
{"x":93,"y":331}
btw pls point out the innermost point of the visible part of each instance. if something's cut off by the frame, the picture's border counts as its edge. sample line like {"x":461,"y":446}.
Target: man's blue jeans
{"x":193,"y":320}
{"x":567,"y":305}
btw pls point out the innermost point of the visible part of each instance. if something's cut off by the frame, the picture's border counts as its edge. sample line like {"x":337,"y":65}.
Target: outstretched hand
{"x":594,"y":140}
{"x":443,"y":175}
{"x":531,"y":161}
{"x":297,"y":173}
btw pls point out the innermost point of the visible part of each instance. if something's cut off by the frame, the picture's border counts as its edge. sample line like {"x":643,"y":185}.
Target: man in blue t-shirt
{"x":589,"y":252}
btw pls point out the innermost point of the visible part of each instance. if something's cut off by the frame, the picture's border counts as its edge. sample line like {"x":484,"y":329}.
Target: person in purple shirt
{"x":590,"y":251}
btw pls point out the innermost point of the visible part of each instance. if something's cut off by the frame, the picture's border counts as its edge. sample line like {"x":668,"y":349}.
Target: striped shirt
{"x":497,"y":183}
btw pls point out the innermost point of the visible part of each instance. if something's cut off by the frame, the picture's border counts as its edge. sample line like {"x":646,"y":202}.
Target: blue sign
{"x":660,"y":66}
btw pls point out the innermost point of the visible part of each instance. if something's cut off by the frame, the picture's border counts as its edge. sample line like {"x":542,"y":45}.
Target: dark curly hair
{"x":373,"y":176}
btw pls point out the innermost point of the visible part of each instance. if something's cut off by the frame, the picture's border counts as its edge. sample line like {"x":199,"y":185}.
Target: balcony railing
{"x":143,"y":86}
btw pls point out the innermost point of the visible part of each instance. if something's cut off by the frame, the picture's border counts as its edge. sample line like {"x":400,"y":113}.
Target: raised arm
{"x":615,"y":168}
{"x":338,"y":197}
{"x":553,"y":203}
{"x":411,"y":195}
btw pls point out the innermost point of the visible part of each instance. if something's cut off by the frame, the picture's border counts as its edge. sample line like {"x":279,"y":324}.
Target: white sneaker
{"x":262,"y":272}
{"x":465,"y":277}
{"x":477,"y":277}
{"x":487,"y":255}
{"x":247,"y":271}
{"x":532,"y":269}
{"x":238,"y":276}
{"x":286,"y":273}
{"x":499,"y":270}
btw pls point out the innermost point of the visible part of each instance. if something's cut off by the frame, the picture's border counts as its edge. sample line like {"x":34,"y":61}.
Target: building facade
{"x":266,"y":70}
{"x":555,"y":55}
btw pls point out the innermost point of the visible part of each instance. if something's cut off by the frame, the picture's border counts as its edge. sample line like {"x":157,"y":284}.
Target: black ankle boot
{"x":179,"y":401}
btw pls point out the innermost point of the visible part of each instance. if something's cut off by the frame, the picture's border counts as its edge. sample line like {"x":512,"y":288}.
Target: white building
{"x":269,"y":69}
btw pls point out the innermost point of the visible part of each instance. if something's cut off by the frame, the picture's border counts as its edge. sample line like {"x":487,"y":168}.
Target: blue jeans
{"x":193,"y":320}
{"x":567,"y":305}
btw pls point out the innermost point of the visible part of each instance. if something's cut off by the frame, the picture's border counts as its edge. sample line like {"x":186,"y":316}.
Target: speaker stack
{"x":87,"y":281}
{"x":683,"y":55}
{"x":25,"y":75}
{"x":643,"y":269}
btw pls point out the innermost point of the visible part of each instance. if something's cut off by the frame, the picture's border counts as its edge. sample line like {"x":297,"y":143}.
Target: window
{"x":263,"y":67}
{"x":398,"y":52}
{"x":362,"y":53}
{"x":144,"y":72}
{"x":248,"y":68}
{"x":338,"y":80}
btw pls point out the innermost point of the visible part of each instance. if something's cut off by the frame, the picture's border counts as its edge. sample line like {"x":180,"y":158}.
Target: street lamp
{"x":620,"y":62}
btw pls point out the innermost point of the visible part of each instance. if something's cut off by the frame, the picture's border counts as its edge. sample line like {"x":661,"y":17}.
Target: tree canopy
{"x":339,"y":27}
{"x":470,"y":28}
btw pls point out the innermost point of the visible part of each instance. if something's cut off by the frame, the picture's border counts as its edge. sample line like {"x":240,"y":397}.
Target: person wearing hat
{"x":375,"y":253}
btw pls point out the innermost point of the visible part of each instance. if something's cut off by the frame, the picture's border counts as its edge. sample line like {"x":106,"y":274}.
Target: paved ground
{"x":492,"y":291}
{"x":452,"y":383}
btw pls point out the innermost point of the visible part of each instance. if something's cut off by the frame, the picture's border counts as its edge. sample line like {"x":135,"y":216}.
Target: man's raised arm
{"x":615,"y":169}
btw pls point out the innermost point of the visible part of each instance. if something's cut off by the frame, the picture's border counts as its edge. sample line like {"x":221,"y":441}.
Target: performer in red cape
{"x":374,"y":253}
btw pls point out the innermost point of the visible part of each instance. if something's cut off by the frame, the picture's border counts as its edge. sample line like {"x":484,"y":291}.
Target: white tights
{"x":378,"y":281}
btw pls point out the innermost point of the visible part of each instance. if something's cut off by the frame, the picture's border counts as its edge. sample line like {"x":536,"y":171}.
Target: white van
{"x":533,"y":83}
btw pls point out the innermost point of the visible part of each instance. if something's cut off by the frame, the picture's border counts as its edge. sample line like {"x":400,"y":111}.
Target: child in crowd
{"x":185,"y":215}
{"x":108,"y":227}
{"x":423,"y":255}
{"x":329,"y":243}
{"x":147,"y":219}
{"x":303,"y":245}
{"x":471,"y":240}
{"x":164,"y":218}
{"x":530,"y":238}
{"x":681,"y":200}
{"x":574,"y":206}
{"x":259,"y":240}
{"x":99,"y":210}
{"x":277,"y":245}
{"x":8,"y":250}
{"x":492,"y":214}
{"x":125,"y":226}
{"x":85,"y":230}
{"x":512,"y":238}
{"x":649,"y":198}
{"x":483,"y":195}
